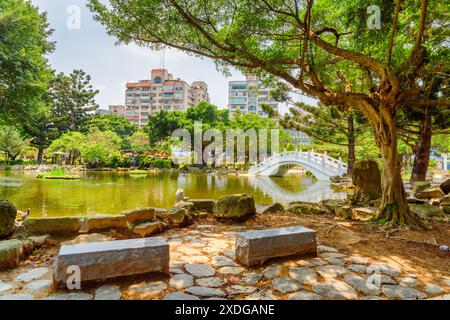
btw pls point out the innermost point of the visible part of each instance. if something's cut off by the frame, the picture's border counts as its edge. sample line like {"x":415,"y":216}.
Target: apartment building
{"x":118,"y":110}
{"x":248,"y":96}
{"x":161,"y":92}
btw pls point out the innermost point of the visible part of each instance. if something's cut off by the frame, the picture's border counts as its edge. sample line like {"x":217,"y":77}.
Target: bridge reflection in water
{"x":317,"y":191}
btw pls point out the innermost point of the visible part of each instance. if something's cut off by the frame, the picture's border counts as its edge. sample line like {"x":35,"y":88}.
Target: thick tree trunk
{"x":40,"y":155}
{"x":422,"y":155}
{"x":74,"y":157}
{"x":394,"y":207}
{"x":351,"y":145}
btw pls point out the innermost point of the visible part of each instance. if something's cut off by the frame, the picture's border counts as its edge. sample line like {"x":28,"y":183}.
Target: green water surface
{"x":115,"y":192}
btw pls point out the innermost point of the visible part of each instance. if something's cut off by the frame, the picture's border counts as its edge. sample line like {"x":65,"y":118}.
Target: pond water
{"x":115,"y":192}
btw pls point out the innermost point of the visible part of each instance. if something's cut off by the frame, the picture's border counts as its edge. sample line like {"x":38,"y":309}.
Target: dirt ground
{"x":416,"y":251}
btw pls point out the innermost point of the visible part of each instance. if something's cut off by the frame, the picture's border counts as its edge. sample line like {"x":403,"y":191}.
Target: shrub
{"x":163,"y":163}
{"x":119,"y":161}
{"x":57,"y":172}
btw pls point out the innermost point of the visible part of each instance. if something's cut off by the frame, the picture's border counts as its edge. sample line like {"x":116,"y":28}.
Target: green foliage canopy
{"x":24,"y":71}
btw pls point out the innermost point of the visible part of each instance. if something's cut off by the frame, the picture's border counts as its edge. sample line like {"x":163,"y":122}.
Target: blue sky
{"x":111,"y":66}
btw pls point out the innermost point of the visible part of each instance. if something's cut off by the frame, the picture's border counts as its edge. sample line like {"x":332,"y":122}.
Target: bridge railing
{"x":318,"y":158}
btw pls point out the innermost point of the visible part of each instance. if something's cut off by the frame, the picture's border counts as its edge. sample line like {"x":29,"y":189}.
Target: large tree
{"x":333,"y":53}
{"x":71,"y":143}
{"x":24,"y":71}
{"x":11,"y":142}
{"x":336,"y":125}
{"x":418,"y":125}
{"x":71,"y":99}
{"x":109,"y":122}
{"x":161,"y":125}
{"x":41,"y":130}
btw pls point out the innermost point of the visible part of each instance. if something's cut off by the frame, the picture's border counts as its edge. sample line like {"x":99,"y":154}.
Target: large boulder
{"x":445,"y":207}
{"x":430,"y":192}
{"x":8,"y":213}
{"x":162,"y":213}
{"x":344,"y":212}
{"x":367,"y":179}
{"x":147,"y":229}
{"x":340,"y":179}
{"x":205,"y":205}
{"x":445,"y":186}
{"x":185,"y":205}
{"x":274,"y":207}
{"x":308,"y":208}
{"x":106,"y":222}
{"x":179,"y":217}
{"x":364,"y":213}
{"x":10,"y":253}
{"x":13,"y":250}
{"x":445,"y":204}
{"x":334,"y":204}
{"x":445,"y":199}
{"x":418,"y":186}
{"x":235,"y":206}
{"x":140,"y":215}
{"x":426,"y":211}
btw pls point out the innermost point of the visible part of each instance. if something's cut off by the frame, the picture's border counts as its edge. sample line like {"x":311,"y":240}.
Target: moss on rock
{"x":426,"y":211}
{"x":53,"y":225}
{"x":235,"y":206}
{"x":306,"y":208}
{"x":8,"y":213}
{"x":367,"y":179}
{"x":10,"y":253}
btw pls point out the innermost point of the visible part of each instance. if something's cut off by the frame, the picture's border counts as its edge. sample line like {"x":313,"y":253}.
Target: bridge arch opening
{"x":321,"y":166}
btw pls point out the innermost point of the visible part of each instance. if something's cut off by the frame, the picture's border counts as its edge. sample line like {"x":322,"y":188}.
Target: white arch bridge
{"x":322,"y":166}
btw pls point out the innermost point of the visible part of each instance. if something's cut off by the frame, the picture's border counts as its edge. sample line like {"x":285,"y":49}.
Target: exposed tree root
{"x":392,"y":215}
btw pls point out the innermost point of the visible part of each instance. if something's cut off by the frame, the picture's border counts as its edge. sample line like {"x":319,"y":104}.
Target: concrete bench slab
{"x":110,"y":259}
{"x":254,"y":247}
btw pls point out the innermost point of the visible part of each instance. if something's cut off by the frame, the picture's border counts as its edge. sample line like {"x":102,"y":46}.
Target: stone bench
{"x":257,"y":246}
{"x":110,"y":259}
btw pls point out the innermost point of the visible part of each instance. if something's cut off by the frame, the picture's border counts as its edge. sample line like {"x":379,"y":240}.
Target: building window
{"x":158,"y":80}
{"x":238,"y":100}
{"x":238,"y":87}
